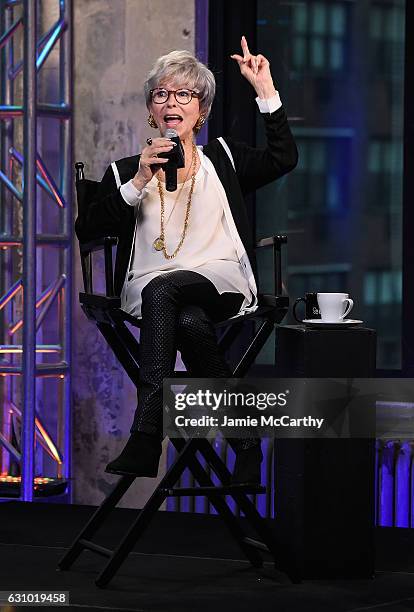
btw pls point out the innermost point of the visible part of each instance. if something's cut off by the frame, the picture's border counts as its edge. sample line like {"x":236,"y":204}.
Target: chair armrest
{"x":271,"y":241}
{"x":86,"y":249}
{"x":276,"y":243}
{"x":98,"y":244}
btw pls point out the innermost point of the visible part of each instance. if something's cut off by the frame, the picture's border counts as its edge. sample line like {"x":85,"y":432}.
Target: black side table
{"x":310,"y":352}
{"x":324,"y":489}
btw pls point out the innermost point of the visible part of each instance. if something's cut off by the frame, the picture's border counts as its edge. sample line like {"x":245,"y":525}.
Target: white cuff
{"x":269,"y":105}
{"x":131,"y":194}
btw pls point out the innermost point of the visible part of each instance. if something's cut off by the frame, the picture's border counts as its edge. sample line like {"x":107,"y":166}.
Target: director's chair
{"x":105,"y":311}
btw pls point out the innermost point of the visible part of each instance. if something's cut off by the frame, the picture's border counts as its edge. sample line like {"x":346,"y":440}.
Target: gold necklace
{"x":159,"y":243}
{"x":177,"y":197}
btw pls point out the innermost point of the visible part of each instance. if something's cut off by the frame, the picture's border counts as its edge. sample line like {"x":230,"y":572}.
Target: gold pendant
{"x":158,"y":244}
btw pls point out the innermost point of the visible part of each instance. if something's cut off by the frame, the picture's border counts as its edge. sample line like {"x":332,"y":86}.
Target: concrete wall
{"x":115,"y":45}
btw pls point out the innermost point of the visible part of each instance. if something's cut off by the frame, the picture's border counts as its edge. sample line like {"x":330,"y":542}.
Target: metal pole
{"x":66,"y":139}
{"x":201,"y":49}
{"x":29,"y":247}
{"x":8,"y":201}
{"x":5,"y":222}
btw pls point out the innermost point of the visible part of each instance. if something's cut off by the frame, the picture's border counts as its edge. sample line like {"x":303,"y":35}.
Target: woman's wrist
{"x":266,"y":91}
{"x":138,"y":182}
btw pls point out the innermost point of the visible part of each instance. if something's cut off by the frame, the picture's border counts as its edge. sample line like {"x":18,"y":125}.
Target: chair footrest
{"x":221,"y":490}
{"x":100,"y":550}
{"x":96,"y":300}
{"x":257,"y":544}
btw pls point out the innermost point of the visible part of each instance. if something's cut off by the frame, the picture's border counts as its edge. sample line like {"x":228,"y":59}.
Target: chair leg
{"x":219,"y":502}
{"x":255,"y":519}
{"x":253,"y":349}
{"x":188,"y":459}
{"x":124,"y":351}
{"x":244,"y":503}
{"x":128,"y":340}
{"x":96,"y":521}
{"x":144,"y":518}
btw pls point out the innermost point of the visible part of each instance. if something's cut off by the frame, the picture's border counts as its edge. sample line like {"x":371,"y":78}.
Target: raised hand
{"x":256,"y":69}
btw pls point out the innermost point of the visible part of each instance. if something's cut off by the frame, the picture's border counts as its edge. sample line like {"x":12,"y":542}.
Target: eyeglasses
{"x":183,"y":96}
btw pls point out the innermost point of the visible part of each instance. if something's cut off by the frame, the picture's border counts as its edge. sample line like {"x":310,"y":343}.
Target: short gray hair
{"x":186,"y":71}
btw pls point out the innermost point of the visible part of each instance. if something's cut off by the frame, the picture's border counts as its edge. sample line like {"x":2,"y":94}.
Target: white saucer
{"x":333,"y":325}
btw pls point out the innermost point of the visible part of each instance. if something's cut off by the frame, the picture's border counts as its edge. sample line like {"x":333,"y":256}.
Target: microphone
{"x":175,"y":160}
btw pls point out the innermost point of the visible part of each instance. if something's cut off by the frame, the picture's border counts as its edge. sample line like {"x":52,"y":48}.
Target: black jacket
{"x":110,"y":215}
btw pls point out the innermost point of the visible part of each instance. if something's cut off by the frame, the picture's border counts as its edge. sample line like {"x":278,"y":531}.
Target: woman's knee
{"x":158,"y":289}
{"x":194,"y":323}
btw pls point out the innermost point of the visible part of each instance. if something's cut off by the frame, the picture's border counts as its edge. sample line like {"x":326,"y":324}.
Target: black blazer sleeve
{"x":258,"y":167}
{"x":103,"y":214}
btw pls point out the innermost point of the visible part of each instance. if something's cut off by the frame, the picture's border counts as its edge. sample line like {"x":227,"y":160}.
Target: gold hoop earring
{"x":151,"y":121}
{"x":199,"y":124}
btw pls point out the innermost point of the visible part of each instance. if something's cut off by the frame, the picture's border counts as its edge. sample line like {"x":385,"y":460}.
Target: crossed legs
{"x":179,"y":309}
{"x":174,"y":315}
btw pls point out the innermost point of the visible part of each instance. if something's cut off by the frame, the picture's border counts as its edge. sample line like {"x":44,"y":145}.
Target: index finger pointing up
{"x":244,"y":46}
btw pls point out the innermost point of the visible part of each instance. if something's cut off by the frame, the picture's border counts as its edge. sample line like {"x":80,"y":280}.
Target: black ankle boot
{"x":140,"y":457}
{"x":247,"y":467}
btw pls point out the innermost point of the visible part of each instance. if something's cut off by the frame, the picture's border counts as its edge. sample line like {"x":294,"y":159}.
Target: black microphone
{"x":175,"y":160}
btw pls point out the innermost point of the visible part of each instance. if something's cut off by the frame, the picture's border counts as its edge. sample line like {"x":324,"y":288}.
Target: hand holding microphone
{"x":176,"y":159}
{"x":153,"y":157}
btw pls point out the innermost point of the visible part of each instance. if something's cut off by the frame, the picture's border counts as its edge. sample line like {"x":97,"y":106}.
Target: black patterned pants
{"x":179,"y":309}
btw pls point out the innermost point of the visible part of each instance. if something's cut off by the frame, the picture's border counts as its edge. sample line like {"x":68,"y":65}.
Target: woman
{"x":185,"y":257}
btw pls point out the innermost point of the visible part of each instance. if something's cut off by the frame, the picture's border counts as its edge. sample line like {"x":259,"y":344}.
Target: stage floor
{"x":186,"y":562}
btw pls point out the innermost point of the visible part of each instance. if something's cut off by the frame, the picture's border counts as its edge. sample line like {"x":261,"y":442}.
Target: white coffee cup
{"x":334,"y":307}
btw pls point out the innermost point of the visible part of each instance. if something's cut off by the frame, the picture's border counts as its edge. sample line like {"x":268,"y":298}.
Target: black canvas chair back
{"x":105,"y":311}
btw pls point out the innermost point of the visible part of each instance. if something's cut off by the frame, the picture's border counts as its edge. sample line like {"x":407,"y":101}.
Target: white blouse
{"x":208,"y":248}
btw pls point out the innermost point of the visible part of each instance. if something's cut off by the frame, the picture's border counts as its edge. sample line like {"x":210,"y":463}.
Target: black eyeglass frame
{"x":194,"y":94}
